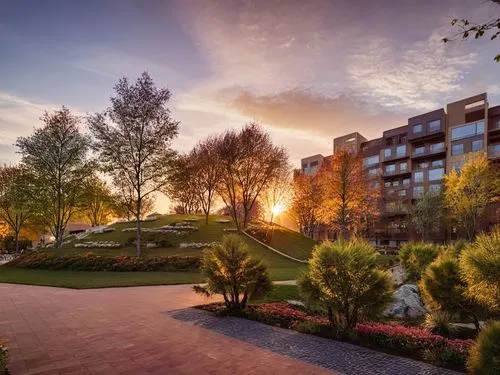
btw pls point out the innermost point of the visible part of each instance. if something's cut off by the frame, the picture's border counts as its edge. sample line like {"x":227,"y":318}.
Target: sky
{"x":308,"y":71}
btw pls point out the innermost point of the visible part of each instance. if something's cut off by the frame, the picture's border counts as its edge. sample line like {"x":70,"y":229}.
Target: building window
{"x":395,"y":183}
{"x":387,"y":152}
{"x":373,"y":172}
{"x":457,"y":165}
{"x":403,"y":167}
{"x":370,"y":160}
{"x":391,"y":168}
{"x":418,"y":177}
{"x":437,"y":147}
{"x":314,"y":163}
{"x":434,"y":126}
{"x":435,"y":188}
{"x":387,"y":184}
{"x":477,"y":145}
{"x":417,"y":128}
{"x":437,"y":163}
{"x":402,"y":193}
{"x":436,"y":174}
{"x":419,"y":150}
{"x":466,"y":131}
{"x":401,"y":150}
{"x":457,"y":149}
{"x":418,"y":191}
{"x":422,"y":165}
{"x":406,"y":181}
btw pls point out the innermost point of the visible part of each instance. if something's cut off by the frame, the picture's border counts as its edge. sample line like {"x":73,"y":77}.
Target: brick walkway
{"x":123,"y":331}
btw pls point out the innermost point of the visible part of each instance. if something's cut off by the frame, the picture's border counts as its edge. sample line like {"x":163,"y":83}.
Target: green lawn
{"x":292,"y":243}
{"x":87,"y":280}
{"x":281,"y":293}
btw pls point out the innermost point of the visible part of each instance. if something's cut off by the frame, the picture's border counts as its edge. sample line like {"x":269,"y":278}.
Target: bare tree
{"x":250,"y":162}
{"x":57,"y":156}
{"x":207,"y":172}
{"x":181,"y":187}
{"x":133,"y":139}
{"x":17,"y":199}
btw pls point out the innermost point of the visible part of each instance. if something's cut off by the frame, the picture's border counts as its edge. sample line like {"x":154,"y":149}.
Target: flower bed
{"x":101,"y":244}
{"x":153,"y":230}
{"x":191,"y":219}
{"x":4,"y":357}
{"x":413,"y":342}
{"x":93,"y":262}
{"x":222,"y":221}
{"x":197,"y":245}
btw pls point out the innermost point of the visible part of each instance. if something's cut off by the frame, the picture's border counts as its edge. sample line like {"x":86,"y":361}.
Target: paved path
{"x":339,"y":356}
{"x":123,"y":331}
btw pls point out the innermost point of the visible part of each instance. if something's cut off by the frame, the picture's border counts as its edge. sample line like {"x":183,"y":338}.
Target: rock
{"x":398,"y":274}
{"x":407,"y":303}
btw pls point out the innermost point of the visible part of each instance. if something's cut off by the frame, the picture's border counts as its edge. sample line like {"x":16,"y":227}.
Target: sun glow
{"x":278,"y":209}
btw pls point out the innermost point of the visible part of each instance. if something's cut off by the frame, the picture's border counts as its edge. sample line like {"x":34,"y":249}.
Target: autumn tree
{"x":426,"y":214}
{"x":98,"y":202}
{"x":56,"y":154}
{"x":17,"y":199}
{"x":250,"y":162}
{"x":276,"y":197}
{"x":348,"y":199}
{"x":182,"y":186}
{"x":305,"y":203}
{"x":468,"y":192}
{"x":207,"y":172}
{"x":133,"y":139}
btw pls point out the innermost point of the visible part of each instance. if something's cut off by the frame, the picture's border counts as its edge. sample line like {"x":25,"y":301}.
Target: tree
{"x":17,"y":199}
{"x":305,"y":203}
{"x":56,"y":154}
{"x":480,"y":268}
{"x":343,"y":276}
{"x":126,"y":204}
{"x":468,"y":192}
{"x":133,"y":138}
{"x":467,"y":29}
{"x":182,"y":186}
{"x":426,"y":214}
{"x":276,"y":196}
{"x":444,"y":290}
{"x":250,"y":162}
{"x":348,"y":198}
{"x":416,"y":257}
{"x":98,"y":201}
{"x":231,"y":272}
{"x":484,"y":357}
{"x":207,"y":174}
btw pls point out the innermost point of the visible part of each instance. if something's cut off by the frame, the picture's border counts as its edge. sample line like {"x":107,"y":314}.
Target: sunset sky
{"x":307,"y":70}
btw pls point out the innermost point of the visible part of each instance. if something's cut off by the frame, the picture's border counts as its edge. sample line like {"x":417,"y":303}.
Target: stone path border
{"x":334,"y":355}
{"x":273,"y":249}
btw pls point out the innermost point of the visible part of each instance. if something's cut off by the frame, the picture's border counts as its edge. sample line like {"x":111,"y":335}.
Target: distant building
{"x":411,"y":158}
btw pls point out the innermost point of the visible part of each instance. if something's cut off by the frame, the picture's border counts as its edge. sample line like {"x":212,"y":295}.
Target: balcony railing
{"x":428,"y":150}
{"x":494,"y":151}
{"x":395,"y":172}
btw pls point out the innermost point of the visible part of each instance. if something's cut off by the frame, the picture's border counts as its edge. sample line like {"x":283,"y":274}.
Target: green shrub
{"x":415,"y":257}
{"x":231,"y":272}
{"x":343,"y":277}
{"x":438,"y":323}
{"x":92,"y":262}
{"x":308,"y":327}
{"x":4,"y":357}
{"x":484,"y":356}
{"x":480,"y":268}
{"x":444,"y":290}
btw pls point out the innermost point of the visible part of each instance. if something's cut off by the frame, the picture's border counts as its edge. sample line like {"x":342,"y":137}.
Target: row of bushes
{"x":408,"y":341}
{"x":4,"y":357}
{"x":92,"y":262}
{"x":8,"y":243}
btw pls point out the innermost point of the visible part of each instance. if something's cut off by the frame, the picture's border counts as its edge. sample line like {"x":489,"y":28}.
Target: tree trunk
{"x":17,"y":240}
{"x":138,"y":228}
{"x":476,"y":323}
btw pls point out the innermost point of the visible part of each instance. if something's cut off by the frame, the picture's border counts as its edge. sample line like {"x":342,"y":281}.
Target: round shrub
{"x":415,"y":257}
{"x":484,"y":356}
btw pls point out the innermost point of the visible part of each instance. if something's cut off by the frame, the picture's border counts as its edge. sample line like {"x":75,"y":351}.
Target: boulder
{"x":407,"y":303}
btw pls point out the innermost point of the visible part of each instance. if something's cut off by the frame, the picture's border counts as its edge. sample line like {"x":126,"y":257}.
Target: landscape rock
{"x":398,"y":274}
{"x":407,"y":303}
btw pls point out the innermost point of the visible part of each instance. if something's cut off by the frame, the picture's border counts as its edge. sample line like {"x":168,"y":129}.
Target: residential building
{"x":412,"y":158}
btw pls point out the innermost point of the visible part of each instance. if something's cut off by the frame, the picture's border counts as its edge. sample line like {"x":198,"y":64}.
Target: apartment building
{"x":408,"y":160}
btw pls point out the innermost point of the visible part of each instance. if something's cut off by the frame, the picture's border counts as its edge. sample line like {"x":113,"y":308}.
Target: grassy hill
{"x":280,"y":268}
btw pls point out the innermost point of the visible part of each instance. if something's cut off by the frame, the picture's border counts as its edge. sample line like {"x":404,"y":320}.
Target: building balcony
{"x":397,"y":172}
{"x":397,"y":152}
{"x":422,"y":152}
{"x":494,"y":151}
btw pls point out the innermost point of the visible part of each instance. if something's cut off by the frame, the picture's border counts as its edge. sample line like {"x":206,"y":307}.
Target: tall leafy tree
{"x":98,"y":201}
{"x":305,"y":203}
{"x":348,"y":199}
{"x":56,"y":154}
{"x":133,"y":139}
{"x":182,"y":186}
{"x":17,"y":199}
{"x":250,"y":162}
{"x":468,"y":192}
{"x":426,"y":214}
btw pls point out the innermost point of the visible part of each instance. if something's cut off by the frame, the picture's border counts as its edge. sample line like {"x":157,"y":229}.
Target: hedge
{"x":92,"y":262}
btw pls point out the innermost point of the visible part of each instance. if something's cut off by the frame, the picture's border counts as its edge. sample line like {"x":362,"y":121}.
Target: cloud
{"x":420,"y":77}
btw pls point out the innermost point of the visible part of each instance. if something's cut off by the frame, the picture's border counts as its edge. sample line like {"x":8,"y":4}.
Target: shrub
{"x":231,"y":272}
{"x":438,"y":323}
{"x":444,"y":290}
{"x":480,"y":268}
{"x":484,"y":356}
{"x":4,"y":357}
{"x":92,"y":262}
{"x":343,"y":277}
{"x":415,"y":257}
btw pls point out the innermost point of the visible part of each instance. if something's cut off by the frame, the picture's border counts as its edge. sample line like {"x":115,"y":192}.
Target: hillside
{"x":280,"y":268}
